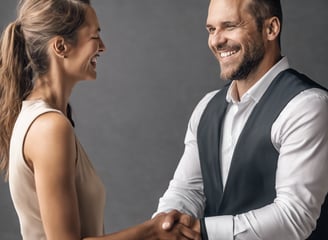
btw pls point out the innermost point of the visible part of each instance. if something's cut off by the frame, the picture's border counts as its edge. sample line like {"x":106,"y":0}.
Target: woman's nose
{"x":102,"y":46}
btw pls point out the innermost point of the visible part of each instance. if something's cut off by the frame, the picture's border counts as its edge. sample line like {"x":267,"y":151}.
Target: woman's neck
{"x":51,"y":90}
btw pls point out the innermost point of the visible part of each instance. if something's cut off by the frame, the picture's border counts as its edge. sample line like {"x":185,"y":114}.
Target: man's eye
{"x":210,"y":29}
{"x":230,"y":27}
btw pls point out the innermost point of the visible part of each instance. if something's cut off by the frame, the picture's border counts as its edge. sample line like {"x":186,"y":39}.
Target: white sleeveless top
{"x":90,"y":190}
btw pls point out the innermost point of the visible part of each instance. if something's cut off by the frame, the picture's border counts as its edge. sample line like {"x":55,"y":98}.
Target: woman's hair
{"x":23,"y":55}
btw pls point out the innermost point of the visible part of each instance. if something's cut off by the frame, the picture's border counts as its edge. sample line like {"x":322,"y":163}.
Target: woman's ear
{"x":60,"y":47}
{"x":272,"y":28}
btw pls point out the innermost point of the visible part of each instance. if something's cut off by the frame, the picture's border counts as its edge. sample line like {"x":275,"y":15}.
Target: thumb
{"x":169,"y":220}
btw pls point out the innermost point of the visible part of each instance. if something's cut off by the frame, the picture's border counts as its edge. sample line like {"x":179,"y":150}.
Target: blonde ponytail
{"x":15,"y":83}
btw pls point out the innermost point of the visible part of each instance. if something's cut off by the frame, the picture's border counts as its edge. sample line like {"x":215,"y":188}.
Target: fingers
{"x":196,"y":225}
{"x":170,"y":219}
{"x":182,"y":226}
{"x":190,"y":222}
{"x":186,"y":232}
{"x":186,"y":220}
{"x":177,"y":217}
{"x":175,"y":226}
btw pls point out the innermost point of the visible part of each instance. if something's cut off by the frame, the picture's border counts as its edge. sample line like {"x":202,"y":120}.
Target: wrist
{"x":149,"y":230}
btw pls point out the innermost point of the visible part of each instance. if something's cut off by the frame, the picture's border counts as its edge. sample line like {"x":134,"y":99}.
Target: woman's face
{"x":81,"y":62}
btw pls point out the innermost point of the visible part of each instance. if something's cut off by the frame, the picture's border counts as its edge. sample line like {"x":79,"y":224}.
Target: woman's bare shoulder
{"x":50,"y":136}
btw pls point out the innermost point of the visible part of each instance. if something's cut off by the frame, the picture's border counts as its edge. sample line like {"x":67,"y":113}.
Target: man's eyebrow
{"x":225,"y":24}
{"x":229,"y":23}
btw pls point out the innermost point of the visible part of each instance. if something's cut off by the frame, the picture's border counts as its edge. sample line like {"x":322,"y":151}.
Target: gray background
{"x":133,"y":118}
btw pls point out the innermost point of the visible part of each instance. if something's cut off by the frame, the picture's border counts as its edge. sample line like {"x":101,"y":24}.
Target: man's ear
{"x":60,"y":47}
{"x":272,"y":28}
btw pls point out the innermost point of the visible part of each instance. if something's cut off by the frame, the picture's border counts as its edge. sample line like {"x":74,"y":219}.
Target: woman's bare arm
{"x":50,"y":151}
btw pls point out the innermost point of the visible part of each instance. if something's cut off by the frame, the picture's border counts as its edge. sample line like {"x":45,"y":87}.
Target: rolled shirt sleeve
{"x":300,"y":136}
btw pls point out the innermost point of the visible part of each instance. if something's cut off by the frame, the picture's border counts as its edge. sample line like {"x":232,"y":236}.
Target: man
{"x":256,"y":152}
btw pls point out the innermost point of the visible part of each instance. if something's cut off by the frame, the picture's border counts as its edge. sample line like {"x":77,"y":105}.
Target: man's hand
{"x":173,"y":226}
{"x":175,"y":217}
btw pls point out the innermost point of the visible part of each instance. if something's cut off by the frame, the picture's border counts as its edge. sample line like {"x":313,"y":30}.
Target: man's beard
{"x":254,"y":53}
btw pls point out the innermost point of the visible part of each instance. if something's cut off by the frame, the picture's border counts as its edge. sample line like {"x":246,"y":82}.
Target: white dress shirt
{"x":300,"y":136}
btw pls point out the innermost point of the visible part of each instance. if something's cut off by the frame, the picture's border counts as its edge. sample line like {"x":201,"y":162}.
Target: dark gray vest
{"x":251,"y":179}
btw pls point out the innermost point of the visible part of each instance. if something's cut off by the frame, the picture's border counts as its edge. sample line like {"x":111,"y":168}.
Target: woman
{"x":51,"y":46}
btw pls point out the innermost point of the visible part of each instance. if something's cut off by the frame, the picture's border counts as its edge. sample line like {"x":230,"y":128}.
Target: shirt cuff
{"x":219,"y":227}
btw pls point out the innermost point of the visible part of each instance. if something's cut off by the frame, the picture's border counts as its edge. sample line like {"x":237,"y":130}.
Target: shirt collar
{"x":259,"y":88}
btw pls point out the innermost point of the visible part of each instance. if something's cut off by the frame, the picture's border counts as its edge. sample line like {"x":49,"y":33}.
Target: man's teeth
{"x":227,"y":54}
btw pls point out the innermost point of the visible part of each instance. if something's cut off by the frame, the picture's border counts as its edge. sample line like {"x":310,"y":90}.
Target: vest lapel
{"x":211,"y":157}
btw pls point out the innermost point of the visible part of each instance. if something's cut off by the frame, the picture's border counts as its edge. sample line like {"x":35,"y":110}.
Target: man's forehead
{"x":231,"y":4}
{"x":228,"y":9}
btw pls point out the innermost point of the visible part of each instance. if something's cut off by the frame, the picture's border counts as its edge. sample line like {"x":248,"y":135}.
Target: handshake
{"x":175,"y":225}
